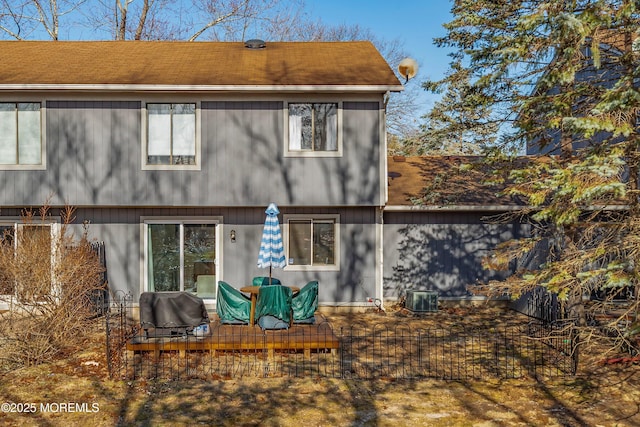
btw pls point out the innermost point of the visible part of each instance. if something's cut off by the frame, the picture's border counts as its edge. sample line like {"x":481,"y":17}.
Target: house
{"x":597,"y":73}
{"x":171,"y":152}
{"x":441,"y":219}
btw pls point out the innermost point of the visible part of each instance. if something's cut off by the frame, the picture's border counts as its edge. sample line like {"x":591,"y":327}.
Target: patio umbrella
{"x":271,"y":248}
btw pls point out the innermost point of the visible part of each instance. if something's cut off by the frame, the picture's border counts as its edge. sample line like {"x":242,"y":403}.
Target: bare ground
{"x":76,"y":390}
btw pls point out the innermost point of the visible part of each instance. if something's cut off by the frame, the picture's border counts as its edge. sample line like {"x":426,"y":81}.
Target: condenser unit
{"x":422,"y":301}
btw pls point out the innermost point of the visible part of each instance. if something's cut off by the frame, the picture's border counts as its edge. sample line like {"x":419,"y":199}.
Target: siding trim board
{"x":452,"y":208}
{"x":200,"y":88}
{"x":481,"y":208}
{"x":84,"y":96}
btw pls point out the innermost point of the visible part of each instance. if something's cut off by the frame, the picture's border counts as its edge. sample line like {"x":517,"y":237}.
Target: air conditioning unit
{"x":422,"y":301}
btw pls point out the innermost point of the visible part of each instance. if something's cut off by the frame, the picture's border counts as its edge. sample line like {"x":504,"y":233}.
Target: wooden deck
{"x":305,"y":338}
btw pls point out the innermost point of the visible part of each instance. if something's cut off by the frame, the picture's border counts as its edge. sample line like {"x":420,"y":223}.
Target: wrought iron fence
{"x":457,"y":354}
{"x":534,"y":350}
{"x":99,"y":298}
{"x":540,"y":304}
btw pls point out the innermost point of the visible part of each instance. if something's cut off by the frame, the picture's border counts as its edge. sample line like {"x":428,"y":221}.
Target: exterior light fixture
{"x":232,"y":236}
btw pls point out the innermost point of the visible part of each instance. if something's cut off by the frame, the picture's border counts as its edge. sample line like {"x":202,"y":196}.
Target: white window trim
{"x":8,"y":301}
{"x":312,"y":217}
{"x":43,"y":137}
{"x":144,"y":132}
{"x":144,"y":221}
{"x":308,"y":153}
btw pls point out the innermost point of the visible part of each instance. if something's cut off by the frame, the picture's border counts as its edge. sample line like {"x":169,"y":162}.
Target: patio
{"x":305,"y":338}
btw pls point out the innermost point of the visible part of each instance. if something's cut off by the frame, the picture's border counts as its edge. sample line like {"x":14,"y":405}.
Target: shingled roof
{"x":354,"y":66}
{"x":443,"y":182}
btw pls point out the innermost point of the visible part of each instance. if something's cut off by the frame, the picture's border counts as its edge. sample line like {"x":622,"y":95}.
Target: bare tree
{"x":223,"y":20}
{"x":23,"y":19}
{"x":121,"y":15}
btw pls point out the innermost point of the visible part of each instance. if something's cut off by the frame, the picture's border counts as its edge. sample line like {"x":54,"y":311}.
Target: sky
{"x":415,"y":23}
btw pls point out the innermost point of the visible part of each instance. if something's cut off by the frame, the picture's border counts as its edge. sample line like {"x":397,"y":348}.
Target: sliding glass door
{"x":181,"y":256}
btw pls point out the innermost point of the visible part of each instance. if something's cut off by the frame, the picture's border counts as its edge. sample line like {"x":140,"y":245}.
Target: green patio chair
{"x":273,"y":307}
{"x":264,"y":281}
{"x":305,"y":303}
{"x":231,"y":305}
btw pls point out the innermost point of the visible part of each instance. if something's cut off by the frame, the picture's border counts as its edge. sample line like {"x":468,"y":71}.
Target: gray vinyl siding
{"x":94,"y":162}
{"x":354,"y":282}
{"x":440,"y":251}
{"x":93,"y":152}
{"x":245,"y":145}
{"x":357,"y":175}
{"x":94,"y":158}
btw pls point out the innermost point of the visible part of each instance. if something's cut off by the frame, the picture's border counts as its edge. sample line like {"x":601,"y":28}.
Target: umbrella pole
{"x":269,"y":275}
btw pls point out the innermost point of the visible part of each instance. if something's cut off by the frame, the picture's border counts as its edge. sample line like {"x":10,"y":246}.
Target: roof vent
{"x":255,"y":44}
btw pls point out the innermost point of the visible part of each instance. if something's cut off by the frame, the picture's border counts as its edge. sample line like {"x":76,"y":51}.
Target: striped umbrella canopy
{"x":271,"y":247}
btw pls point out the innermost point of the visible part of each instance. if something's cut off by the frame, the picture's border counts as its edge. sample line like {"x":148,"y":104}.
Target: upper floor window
{"x":171,"y":135}
{"x":314,"y":129}
{"x":312,"y":242}
{"x":20,"y":134}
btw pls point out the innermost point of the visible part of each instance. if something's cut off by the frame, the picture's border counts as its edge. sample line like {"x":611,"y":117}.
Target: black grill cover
{"x":177,"y":311}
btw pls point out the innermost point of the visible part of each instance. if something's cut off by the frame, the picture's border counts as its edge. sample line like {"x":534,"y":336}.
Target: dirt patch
{"x":76,"y":390}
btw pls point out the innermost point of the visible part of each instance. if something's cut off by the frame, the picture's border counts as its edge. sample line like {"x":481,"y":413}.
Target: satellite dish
{"x":408,"y":68}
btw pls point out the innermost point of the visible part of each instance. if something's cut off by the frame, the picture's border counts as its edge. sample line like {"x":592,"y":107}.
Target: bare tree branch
{"x":210,"y":24}
{"x":122,"y":10}
{"x":143,"y":18}
{"x":25,"y":19}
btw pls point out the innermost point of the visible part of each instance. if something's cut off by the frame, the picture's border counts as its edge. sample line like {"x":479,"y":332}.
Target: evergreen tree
{"x":562,"y":78}
{"x":461,"y":122}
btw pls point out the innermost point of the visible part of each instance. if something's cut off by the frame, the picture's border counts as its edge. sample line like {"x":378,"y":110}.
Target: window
{"x":171,"y":135}
{"x":7,"y":287}
{"x":312,"y":242}
{"x":313,"y":129}
{"x":20,"y":134}
{"x":181,"y":256}
{"x":34,"y":245}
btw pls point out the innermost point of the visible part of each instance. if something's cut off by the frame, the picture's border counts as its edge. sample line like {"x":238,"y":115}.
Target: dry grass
{"x":600,"y":395}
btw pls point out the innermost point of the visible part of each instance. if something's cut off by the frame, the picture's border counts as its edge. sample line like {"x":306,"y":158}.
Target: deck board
{"x":318,"y":336}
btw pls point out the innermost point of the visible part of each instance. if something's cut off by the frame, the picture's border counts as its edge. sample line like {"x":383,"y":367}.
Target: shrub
{"x":47,"y":279}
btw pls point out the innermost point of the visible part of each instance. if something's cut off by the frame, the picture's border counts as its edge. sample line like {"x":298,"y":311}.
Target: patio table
{"x":253,"y":290}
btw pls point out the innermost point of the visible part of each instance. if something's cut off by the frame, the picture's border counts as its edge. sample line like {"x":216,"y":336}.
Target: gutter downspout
{"x":380,"y":256}
{"x":380,"y":209}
